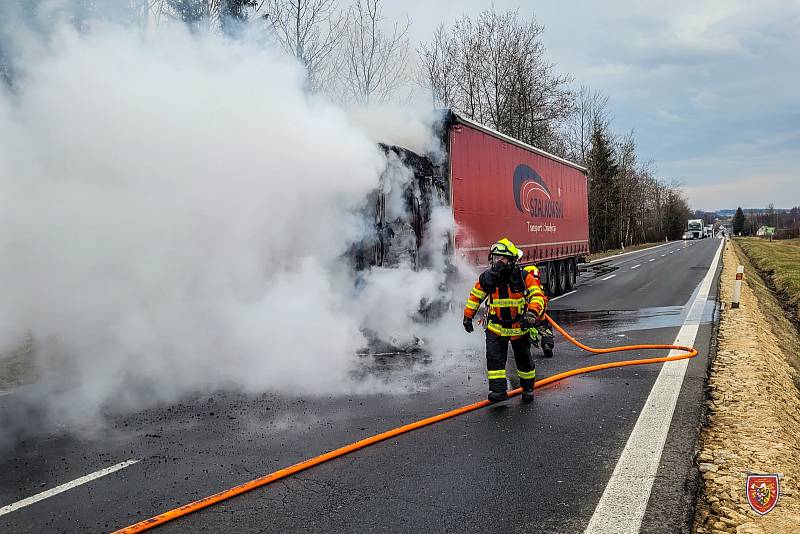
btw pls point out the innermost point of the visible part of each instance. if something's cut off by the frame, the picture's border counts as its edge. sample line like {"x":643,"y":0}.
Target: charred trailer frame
{"x":398,"y":239}
{"x":496,"y":186}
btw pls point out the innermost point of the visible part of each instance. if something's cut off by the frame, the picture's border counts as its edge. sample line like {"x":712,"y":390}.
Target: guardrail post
{"x":737,"y":286}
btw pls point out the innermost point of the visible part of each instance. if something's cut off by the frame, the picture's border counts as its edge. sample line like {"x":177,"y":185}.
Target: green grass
{"x":779,"y":261}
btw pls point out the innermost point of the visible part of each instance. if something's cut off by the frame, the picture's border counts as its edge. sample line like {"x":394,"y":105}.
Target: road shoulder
{"x":754,"y":411}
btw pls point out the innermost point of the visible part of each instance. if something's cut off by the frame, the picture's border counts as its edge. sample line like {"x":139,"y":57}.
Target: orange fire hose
{"x":205,"y":502}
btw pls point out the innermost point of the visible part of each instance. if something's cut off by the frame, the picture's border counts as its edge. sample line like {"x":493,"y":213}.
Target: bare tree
{"x":309,"y":30}
{"x":437,"y":72}
{"x":591,"y":108}
{"x":152,"y":12}
{"x":494,"y":69}
{"x":374,"y":59}
{"x":465,"y":53}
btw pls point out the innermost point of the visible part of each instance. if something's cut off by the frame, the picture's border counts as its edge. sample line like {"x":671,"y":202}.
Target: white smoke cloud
{"x":408,"y":126}
{"x":174,"y":209}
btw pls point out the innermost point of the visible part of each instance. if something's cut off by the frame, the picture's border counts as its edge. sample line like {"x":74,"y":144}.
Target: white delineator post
{"x":737,"y":286}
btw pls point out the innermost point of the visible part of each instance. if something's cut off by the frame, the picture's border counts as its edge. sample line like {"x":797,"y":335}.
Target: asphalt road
{"x":507,"y":468}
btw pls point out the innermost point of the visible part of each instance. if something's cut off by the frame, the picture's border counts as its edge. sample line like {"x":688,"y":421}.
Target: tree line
{"x":492,"y":68}
{"x":785,"y":222}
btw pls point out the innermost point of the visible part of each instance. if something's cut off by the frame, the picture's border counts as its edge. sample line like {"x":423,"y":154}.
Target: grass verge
{"x":779,"y":263}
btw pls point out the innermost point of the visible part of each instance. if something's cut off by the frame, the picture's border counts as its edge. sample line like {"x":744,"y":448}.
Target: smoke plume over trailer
{"x":179,"y":214}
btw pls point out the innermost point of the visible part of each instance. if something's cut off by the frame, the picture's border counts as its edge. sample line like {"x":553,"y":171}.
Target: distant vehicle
{"x":495,"y":186}
{"x":709,"y":231}
{"x":696,"y":230}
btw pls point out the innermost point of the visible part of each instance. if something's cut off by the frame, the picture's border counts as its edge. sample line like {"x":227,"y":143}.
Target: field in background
{"x":779,"y":261}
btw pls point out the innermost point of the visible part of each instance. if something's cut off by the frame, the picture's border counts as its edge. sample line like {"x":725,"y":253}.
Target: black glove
{"x":529,"y":320}
{"x":468,"y":324}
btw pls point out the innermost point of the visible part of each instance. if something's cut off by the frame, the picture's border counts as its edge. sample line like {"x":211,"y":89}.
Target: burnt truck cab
{"x":397,"y":236}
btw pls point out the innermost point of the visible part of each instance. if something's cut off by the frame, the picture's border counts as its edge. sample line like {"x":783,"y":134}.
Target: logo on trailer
{"x":532,"y":196}
{"x":762,"y":492}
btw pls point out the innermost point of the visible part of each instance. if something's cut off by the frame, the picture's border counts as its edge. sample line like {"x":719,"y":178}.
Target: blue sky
{"x":712,"y":88}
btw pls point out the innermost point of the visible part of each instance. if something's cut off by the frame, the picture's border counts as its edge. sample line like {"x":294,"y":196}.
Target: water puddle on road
{"x":590,"y":272}
{"x":610,"y":322}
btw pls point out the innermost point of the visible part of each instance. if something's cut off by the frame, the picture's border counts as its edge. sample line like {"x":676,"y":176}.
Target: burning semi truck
{"x":496,"y":186}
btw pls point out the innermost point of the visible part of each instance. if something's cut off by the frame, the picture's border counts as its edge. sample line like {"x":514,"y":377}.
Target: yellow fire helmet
{"x":505,"y":247}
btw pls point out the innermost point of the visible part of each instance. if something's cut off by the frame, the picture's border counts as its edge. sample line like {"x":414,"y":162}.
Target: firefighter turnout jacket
{"x":507,"y":299}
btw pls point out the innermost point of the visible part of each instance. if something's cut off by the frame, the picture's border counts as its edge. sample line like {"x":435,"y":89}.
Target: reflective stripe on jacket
{"x":507,"y":300}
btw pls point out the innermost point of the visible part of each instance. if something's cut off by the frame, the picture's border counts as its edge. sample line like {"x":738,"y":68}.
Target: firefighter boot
{"x":527,"y":389}
{"x":497,"y":390}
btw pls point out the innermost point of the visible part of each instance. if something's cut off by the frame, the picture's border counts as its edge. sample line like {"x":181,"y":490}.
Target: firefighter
{"x":515,"y":304}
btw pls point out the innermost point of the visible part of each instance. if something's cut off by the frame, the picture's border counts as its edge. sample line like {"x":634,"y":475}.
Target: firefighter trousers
{"x":496,"y":353}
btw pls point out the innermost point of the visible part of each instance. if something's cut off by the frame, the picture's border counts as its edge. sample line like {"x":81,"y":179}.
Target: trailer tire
{"x":571,"y":276}
{"x":550,"y":283}
{"x":561,"y":277}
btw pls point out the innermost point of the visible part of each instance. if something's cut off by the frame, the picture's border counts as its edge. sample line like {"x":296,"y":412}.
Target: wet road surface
{"x":508,"y":468}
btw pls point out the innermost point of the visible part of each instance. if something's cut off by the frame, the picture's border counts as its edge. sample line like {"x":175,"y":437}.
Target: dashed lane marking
{"x":608,"y":277}
{"x":635,"y":266}
{"x":648,"y":249}
{"x":652,"y":259}
{"x":64,"y":487}
{"x":624,"y":501}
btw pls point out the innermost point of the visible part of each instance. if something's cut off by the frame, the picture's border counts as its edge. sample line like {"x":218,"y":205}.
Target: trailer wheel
{"x":571,"y":277}
{"x":561,"y":276}
{"x":550,"y":283}
{"x":574,"y":272}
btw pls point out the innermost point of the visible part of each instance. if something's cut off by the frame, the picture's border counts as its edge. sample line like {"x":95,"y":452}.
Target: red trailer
{"x":501,"y":187}
{"x":497,"y":187}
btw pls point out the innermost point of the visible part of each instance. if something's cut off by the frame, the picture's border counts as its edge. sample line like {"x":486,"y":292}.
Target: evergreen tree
{"x":191,"y":12}
{"x":604,"y":194}
{"x":675,"y":216}
{"x":234,"y":14}
{"x":738,"y":221}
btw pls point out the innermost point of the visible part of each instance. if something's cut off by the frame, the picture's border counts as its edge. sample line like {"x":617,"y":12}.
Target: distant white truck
{"x":709,"y":230}
{"x":695,"y":229}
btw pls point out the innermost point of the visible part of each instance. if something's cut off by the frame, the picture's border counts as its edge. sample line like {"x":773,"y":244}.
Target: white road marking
{"x":64,"y":487}
{"x":671,"y":251}
{"x":630,"y":252}
{"x":608,"y":277}
{"x":652,"y":259}
{"x":635,"y":266}
{"x":663,"y":255}
{"x":624,"y":501}
{"x":564,"y":295}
